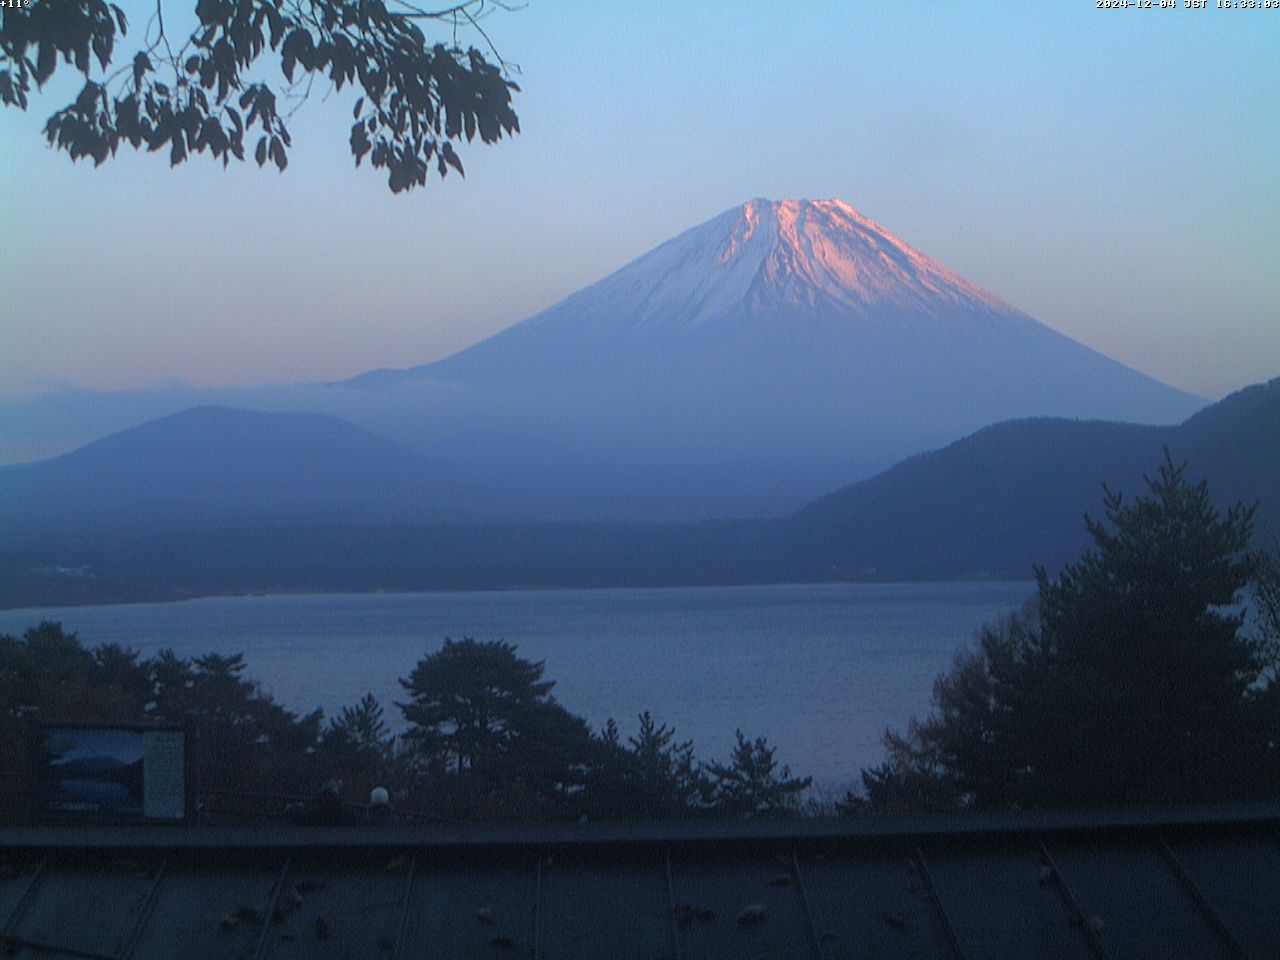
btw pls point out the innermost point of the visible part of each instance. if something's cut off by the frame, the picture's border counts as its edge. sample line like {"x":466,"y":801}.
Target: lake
{"x":819,"y":670}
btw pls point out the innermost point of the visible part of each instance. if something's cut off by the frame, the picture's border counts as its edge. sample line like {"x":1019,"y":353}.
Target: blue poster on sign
{"x":119,"y":773}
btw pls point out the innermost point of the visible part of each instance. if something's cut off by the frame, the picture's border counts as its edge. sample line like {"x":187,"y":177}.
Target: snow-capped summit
{"x":769,"y":254}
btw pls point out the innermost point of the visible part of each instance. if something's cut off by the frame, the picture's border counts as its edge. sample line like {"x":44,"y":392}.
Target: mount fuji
{"x":773,"y":352}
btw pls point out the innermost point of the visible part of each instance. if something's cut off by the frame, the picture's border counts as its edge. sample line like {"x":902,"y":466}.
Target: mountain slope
{"x":1014,"y":494}
{"x":780,"y":347}
{"x":220,"y":463}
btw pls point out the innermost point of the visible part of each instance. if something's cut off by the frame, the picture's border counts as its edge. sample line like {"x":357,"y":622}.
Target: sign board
{"x":120,"y":772}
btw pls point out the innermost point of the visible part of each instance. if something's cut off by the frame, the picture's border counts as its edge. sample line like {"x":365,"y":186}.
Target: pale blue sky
{"x":1116,"y":174}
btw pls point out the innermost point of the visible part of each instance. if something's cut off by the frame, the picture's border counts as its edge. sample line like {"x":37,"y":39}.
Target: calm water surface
{"x":819,"y":670}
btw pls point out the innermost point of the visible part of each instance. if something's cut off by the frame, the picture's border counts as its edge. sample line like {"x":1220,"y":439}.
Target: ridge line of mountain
{"x":989,"y":506}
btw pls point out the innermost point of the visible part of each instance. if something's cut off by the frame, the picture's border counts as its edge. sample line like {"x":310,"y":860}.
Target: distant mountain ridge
{"x":217,"y":463}
{"x":989,"y":506}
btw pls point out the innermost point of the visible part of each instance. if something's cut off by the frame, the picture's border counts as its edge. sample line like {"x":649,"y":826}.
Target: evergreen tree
{"x":547,"y":767}
{"x":1130,"y":681}
{"x":240,"y":740}
{"x":751,"y":783}
{"x":357,"y":751}
{"x":668,"y":781}
{"x":363,"y":726}
{"x":49,"y":670}
{"x":488,"y":739}
{"x":467,"y":698}
{"x":1266,"y":602}
{"x":653,"y":776}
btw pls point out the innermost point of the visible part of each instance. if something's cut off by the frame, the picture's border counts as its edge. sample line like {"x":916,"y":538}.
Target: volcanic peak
{"x":768,"y":256}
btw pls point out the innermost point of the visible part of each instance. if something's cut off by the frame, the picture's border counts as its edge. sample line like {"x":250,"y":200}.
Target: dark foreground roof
{"x":1197,"y":883}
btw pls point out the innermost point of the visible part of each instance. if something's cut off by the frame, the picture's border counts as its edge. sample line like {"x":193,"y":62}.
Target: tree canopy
{"x":245,"y":741}
{"x":490,"y":737}
{"x":650,"y":776}
{"x":486,"y":740}
{"x":1131,"y":679}
{"x":751,"y":784}
{"x":469,"y":701}
{"x":200,"y":93}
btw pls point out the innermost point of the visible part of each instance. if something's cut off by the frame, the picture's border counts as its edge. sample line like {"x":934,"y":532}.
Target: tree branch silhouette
{"x":417,"y":101}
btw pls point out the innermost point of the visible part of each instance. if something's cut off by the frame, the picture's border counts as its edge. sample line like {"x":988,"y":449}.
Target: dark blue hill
{"x":218,"y":463}
{"x":1015,"y":493}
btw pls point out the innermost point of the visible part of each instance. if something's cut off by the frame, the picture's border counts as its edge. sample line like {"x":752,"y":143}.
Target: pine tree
{"x":1131,"y":680}
{"x":466,"y":700}
{"x":751,"y":783}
